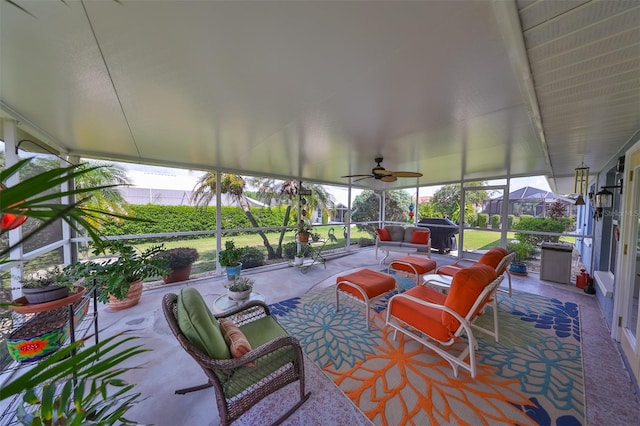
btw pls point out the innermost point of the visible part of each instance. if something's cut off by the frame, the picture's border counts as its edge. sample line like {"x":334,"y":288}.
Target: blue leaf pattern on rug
{"x":548,"y":368}
{"x":561,"y":317}
{"x":341,"y":338}
{"x":540,"y":415}
{"x":284,"y":307}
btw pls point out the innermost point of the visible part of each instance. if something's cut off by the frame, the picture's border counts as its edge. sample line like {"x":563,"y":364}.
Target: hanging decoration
{"x":580,"y":183}
{"x":10,"y":221}
{"x":411,"y":211}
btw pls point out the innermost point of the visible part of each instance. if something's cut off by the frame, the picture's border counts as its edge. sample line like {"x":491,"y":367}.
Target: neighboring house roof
{"x":174,"y":197}
{"x":529,"y":193}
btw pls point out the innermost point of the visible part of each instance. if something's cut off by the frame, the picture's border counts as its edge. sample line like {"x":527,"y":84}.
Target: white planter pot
{"x":239,"y":295}
{"x":298,"y":260}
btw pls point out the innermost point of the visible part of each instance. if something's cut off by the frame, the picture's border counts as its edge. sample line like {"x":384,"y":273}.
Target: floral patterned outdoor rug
{"x":533,"y":376}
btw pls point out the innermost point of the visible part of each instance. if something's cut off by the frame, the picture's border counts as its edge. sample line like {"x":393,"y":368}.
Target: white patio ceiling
{"x":317,"y":89}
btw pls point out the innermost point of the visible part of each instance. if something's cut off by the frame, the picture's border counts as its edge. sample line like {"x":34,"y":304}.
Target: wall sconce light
{"x":603,"y":199}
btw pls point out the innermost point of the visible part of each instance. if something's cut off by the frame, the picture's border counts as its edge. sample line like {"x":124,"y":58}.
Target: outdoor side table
{"x":222,"y":303}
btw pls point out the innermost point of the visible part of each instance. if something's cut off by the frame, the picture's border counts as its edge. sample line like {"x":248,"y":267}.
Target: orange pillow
{"x":466,"y":286}
{"x":493,"y":257}
{"x":383,"y":234}
{"x":420,"y":237}
{"x":236,"y":340}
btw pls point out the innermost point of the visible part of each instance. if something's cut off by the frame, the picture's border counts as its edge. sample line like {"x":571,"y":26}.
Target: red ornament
{"x":11,"y":221}
{"x":411,"y":214}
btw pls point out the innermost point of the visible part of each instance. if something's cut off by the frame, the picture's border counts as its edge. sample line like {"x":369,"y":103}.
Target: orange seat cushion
{"x":449,"y":270}
{"x":420,"y":237}
{"x":465,"y":288}
{"x":373,"y":283}
{"x":383,"y":234}
{"x":422,"y":264}
{"x":493,"y":257}
{"x":427,"y":320}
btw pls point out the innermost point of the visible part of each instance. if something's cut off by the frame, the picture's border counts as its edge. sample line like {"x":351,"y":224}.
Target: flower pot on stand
{"x":177,"y":275}
{"x":239,"y":295}
{"x":518,"y":268}
{"x":45,"y":294}
{"x":233,"y":271}
{"x":132,"y":299}
{"x":303,"y":237}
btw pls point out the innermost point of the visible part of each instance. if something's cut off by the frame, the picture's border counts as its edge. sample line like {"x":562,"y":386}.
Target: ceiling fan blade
{"x":348,"y":176}
{"x":406,"y":174}
{"x":381,"y":171}
{"x":365,"y":177}
{"x":389,"y":178}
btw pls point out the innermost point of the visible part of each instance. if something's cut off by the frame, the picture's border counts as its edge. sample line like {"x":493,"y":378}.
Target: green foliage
{"x":230,"y":256}
{"x":483,"y":220}
{"x":125,"y":265}
{"x":38,"y":197}
{"x":241,"y":283}
{"x":251,"y":257}
{"x":495,"y":221}
{"x":427,"y":210}
{"x":56,"y":276}
{"x":446,"y":200}
{"x":366,"y":208}
{"x":538,"y":224}
{"x":289,"y":250}
{"x":510,"y":221}
{"x":179,"y":257}
{"x":84,"y":388}
{"x":366,"y":242}
{"x":189,"y":218}
{"x":523,"y":250}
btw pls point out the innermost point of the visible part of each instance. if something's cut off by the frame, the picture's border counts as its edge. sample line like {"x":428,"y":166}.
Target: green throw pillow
{"x":199,"y":326}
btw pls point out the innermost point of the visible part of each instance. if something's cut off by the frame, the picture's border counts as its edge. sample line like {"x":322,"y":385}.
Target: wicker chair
{"x":240,"y":383}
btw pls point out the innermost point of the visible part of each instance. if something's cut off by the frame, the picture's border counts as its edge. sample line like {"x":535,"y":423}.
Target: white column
{"x":10,"y":135}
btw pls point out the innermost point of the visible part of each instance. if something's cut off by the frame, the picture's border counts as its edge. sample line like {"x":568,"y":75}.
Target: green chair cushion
{"x":199,"y":326}
{"x":262,"y":331}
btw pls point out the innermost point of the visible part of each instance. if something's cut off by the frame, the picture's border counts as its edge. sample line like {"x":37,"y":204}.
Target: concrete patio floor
{"x":611,"y":396}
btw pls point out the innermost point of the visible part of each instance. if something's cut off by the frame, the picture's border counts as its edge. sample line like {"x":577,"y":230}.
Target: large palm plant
{"x":234,"y":185}
{"x":38,"y":197}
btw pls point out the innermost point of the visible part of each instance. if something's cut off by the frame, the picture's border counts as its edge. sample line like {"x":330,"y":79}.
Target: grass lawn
{"x":207,"y":246}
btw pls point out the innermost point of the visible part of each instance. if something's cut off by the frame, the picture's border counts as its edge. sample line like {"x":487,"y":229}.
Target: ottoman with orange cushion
{"x":364,"y":286}
{"x":414,"y":265}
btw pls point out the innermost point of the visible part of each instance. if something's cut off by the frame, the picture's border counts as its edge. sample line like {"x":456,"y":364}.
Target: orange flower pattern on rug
{"x":400,"y":382}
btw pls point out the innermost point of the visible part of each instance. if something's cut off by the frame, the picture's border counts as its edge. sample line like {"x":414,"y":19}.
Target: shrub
{"x":495,"y":221}
{"x":365,"y":242}
{"x":289,"y":250}
{"x":483,"y":220}
{"x":179,"y":257}
{"x":539,"y":224}
{"x":510,"y":221}
{"x":251,"y":257}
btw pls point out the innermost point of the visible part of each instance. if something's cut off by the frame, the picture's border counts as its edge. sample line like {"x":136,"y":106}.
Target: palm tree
{"x":234,"y":185}
{"x":104,"y":175}
{"x":286,"y":192}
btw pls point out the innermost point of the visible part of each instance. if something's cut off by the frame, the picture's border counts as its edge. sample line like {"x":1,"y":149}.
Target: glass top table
{"x":222,"y":303}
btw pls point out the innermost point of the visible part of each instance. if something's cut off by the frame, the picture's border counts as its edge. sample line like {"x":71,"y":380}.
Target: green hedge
{"x":539,"y":224}
{"x":495,"y":221}
{"x":188,"y":219}
{"x":483,"y":220}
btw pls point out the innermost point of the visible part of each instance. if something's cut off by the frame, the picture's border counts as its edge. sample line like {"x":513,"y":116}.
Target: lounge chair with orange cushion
{"x":439,"y":320}
{"x":496,"y":257}
{"x":365,"y":286}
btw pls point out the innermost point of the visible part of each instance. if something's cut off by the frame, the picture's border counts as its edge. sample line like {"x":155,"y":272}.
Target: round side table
{"x":222,"y":303}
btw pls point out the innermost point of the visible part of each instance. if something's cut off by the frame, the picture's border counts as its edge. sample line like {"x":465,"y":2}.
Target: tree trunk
{"x":287,"y":213}
{"x":247,"y":211}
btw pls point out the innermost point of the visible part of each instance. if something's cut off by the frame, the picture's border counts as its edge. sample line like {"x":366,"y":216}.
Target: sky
{"x":167,"y":178}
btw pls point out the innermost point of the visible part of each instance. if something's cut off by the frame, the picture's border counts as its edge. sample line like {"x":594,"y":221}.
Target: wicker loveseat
{"x":392,"y":237}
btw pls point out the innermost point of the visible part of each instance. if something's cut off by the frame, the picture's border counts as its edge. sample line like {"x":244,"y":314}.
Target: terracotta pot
{"x":132,"y":299}
{"x":303,"y":237}
{"x":177,"y":275}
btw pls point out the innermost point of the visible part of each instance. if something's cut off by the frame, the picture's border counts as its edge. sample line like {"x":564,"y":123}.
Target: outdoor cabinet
{"x":555,"y":262}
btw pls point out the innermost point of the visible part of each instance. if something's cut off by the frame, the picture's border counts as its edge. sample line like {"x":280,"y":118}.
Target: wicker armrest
{"x":247,"y":313}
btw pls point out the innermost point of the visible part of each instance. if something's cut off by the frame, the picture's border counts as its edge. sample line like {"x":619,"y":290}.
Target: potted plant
{"x":179,"y":260}
{"x":230,"y":259}
{"x":315,"y":236}
{"x":304,"y":231}
{"x":299,"y":259}
{"x":523,"y":250}
{"x":240,"y":288}
{"x":119,"y":279}
{"x":46,"y":286}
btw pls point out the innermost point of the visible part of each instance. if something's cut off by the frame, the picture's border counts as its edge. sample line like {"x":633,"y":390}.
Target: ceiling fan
{"x":380,"y":173}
